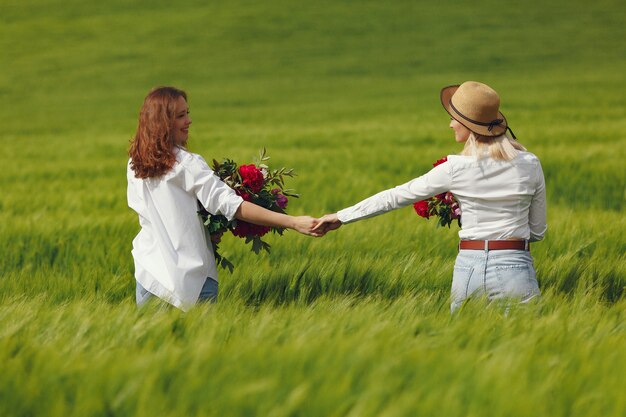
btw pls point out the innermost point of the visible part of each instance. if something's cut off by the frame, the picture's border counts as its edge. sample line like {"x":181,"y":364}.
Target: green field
{"x":346,"y":92}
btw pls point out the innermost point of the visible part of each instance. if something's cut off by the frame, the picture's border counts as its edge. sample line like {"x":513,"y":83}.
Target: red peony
{"x":245,"y":229}
{"x":440,"y":161}
{"x":252,"y":177}
{"x":244,"y":195}
{"x":443,"y":205}
{"x":421,"y":208}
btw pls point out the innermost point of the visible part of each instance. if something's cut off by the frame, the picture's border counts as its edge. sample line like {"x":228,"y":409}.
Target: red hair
{"x":152,"y":148}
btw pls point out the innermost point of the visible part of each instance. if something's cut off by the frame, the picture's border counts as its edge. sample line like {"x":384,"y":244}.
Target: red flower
{"x":252,"y":177}
{"x":244,"y":195}
{"x":440,"y":161}
{"x":245,"y":229}
{"x":421,"y":208}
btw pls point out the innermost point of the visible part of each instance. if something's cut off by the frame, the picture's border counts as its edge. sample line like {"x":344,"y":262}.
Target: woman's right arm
{"x":436,"y":181}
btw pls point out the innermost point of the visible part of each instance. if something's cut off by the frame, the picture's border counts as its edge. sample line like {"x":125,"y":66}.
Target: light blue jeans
{"x":208,"y":292}
{"x":497,"y":274}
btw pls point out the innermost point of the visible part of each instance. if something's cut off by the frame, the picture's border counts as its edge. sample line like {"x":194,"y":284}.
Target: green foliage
{"x":273,"y":183}
{"x":227,"y":171}
{"x":356,"y":323}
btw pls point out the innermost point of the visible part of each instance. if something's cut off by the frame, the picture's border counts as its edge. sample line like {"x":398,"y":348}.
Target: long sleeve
{"x":211,"y":191}
{"x":436,"y":181}
{"x":537,"y":212}
{"x":133,"y":198}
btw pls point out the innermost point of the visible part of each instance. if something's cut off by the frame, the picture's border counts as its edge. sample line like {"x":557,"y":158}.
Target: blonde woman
{"x":501,"y":192}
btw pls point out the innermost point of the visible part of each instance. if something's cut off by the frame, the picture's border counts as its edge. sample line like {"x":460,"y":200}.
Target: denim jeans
{"x":208,"y":292}
{"x":496,"y":274}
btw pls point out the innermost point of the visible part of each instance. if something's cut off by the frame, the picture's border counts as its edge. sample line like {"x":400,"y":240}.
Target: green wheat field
{"x":347,"y":93}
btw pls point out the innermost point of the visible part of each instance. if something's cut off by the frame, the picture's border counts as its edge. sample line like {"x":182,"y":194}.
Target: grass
{"x":335,"y":356}
{"x":356,"y":323}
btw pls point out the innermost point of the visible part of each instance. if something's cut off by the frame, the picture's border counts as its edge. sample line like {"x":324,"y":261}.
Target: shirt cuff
{"x":347,"y":215}
{"x":231,"y":206}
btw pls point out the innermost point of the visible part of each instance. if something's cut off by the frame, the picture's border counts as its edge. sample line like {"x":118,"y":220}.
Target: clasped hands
{"x":317,"y":227}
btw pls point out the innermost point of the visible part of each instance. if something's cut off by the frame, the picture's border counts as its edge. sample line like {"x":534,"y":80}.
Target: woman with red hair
{"x":173,"y":257}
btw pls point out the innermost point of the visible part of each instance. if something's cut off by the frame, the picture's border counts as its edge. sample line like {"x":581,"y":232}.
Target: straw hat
{"x":476,"y":106}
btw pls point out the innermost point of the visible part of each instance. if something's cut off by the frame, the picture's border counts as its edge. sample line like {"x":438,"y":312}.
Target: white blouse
{"x":498,"y":199}
{"x":172,"y":252}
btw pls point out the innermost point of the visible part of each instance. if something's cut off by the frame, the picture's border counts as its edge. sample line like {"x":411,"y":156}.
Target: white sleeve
{"x":214,"y":195}
{"x":436,"y":181}
{"x":537,"y":212}
{"x":134,"y":199}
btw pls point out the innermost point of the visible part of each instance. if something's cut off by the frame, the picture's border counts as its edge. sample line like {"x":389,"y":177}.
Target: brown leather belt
{"x":488,"y":245}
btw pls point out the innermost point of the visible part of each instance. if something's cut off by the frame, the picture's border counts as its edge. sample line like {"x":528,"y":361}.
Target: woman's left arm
{"x":218,"y":198}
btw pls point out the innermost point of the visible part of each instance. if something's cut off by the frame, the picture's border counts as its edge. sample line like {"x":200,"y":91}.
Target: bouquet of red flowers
{"x":443,"y":205}
{"x":257,"y":184}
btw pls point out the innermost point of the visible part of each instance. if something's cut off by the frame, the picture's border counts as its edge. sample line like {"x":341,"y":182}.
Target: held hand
{"x":327,"y":223}
{"x":306,"y":226}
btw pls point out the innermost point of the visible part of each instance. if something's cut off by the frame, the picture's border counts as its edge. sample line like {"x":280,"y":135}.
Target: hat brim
{"x":446,"y":95}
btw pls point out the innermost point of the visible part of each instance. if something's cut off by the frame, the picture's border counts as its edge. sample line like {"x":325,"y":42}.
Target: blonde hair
{"x":500,"y":147}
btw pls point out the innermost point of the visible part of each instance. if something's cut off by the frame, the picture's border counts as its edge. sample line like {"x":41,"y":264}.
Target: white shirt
{"x":498,"y":199}
{"x":173,"y":255}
